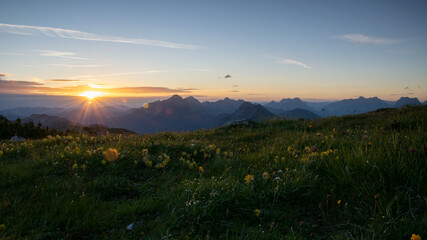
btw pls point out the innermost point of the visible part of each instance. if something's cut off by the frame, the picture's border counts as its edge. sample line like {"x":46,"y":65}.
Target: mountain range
{"x":187,"y":114}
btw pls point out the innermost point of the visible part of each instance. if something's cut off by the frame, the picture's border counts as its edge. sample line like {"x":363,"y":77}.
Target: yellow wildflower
{"x":144,"y":151}
{"x":266,"y":176}
{"x":111,"y":154}
{"x":415,"y":237}
{"x":75,"y":166}
{"x":201,"y":169}
{"x":148,"y":163}
{"x":104,"y":162}
{"x":249,"y":178}
{"x":2,"y":226}
{"x":339,"y":202}
{"x":257,"y":212}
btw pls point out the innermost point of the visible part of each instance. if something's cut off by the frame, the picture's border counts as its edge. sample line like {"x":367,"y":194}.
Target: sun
{"x":91,"y":94}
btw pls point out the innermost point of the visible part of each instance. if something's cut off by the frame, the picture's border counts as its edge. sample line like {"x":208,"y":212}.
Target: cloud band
{"x":74,"y":34}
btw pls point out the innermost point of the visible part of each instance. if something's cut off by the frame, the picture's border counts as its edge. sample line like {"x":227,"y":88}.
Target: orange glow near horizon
{"x":92,"y":94}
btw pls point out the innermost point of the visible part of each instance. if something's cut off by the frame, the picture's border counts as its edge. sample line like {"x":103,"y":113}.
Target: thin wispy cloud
{"x":135,"y":73}
{"x":293,"y":62}
{"x":50,"y":53}
{"x":79,"y":35}
{"x":61,"y":80}
{"x":75,"y":65}
{"x":363,"y":39}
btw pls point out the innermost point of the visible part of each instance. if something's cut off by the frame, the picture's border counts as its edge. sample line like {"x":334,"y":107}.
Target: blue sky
{"x":270,"y":49}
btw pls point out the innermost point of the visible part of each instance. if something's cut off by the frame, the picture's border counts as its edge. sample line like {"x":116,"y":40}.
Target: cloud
{"x":75,"y":65}
{"x":79,"y":35}
{"x":406,"y":88}
{"x":32,"y":87}
{"x":49,"y":53}
{"x":133,"y":73}
{"x":227,"y":76}
{"x":234,"y":86}
{"x":145,"y":90}
{"x":293,"y":62}
{"x":61,"y":80}
{"x":17,"y":84}
{"x":17,"y":87}
{"x":360,"y":38}
{"x":2,"y":75}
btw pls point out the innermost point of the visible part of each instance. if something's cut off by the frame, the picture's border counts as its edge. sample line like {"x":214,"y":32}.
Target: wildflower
{"x":249,"y":178}
{"x":104,"y":162}
{"x":165,"y":161}
{"x":83,"y":167}
{"x":75,"y":166}
{"x":144,"y":151}
{"x":201,"y":169}
{"x":111,"y":154}
{"x":148,"y":163}
{"x":415,"y":237}
{"x":339,"y":202}
{"x":271,"y":226}
{"x":266,"y":176}
{"x":258,"y":212}
{"x":2,"y":226}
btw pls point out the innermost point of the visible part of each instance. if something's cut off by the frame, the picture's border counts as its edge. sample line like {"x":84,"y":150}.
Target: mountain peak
{"x":175,"y":97}
{"x":191,"y":99}
{"x":250,"y":111}
{"x":403,"y":101}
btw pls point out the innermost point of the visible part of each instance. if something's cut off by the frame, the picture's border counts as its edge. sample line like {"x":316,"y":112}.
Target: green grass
{"x":62,"y":187}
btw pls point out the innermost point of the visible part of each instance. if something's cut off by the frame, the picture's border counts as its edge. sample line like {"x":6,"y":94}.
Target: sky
{"x":252,"y":50}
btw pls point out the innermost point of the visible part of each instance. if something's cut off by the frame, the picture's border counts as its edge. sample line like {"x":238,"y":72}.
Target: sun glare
{"x":91,"y":94}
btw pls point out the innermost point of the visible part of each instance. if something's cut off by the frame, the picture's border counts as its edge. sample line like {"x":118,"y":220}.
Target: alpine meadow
{"x":351,"y":177}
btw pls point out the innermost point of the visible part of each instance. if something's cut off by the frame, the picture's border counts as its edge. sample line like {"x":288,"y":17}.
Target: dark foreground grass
{"x":354,"y":177}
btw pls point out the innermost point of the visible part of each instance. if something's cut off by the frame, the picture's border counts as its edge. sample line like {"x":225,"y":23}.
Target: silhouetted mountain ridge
{"x":403,"y":101}
{"x":299,"y":113}
{"x":249,"y":112}
{"x":354,"y":106}
{"x":186,"y":114}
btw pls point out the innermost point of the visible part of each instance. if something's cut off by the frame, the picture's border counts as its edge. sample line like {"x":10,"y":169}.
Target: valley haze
{"x":179,"y":113}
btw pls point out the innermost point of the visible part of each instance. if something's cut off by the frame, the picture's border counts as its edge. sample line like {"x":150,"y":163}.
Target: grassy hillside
{"x":353,"y":177}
